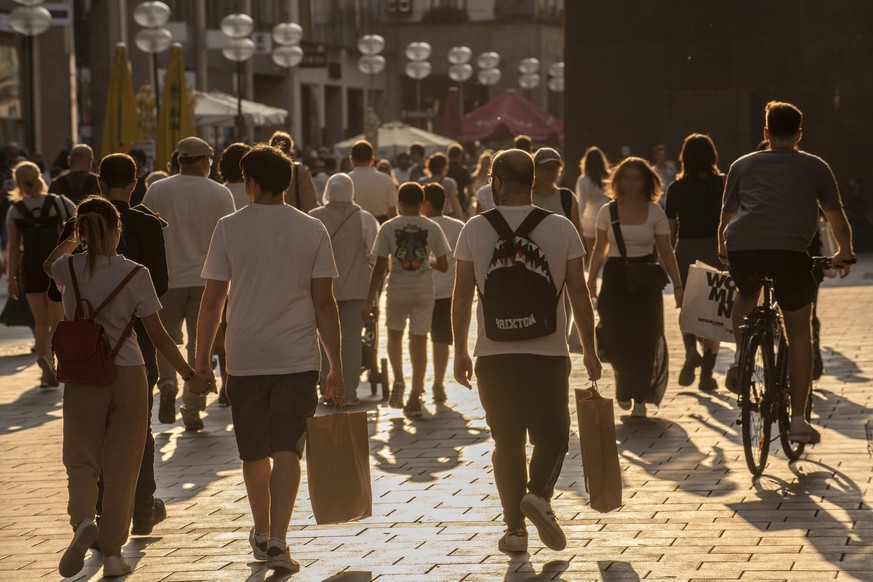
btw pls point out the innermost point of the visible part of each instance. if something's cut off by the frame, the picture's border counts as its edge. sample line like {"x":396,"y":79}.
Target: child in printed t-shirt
{"x":410,"y":240}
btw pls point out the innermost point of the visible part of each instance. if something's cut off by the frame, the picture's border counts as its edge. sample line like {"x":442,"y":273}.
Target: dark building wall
{"x":640,"y":72}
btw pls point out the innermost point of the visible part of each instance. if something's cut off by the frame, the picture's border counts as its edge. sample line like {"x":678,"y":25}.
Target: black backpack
{"x":519,"y":297}
{"x":39,"y":234}
{"x":566,"y":201}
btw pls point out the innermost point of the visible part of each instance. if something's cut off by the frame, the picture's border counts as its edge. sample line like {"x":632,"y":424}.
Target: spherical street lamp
{"x":529,"y":80}
{"x":488,"y":60}
{"x":238,"y":48}
{"x":371,"y":44}
{"x":152,"y":14}
{"x":287,"y":34}
{"x":489,"y":77}
{"x":153,"y":40}
{"x":30,"y":20}
{"x":460,"y":55}
{"x":529,"y":66}
{"x":288,"y":56}
{"x":418,"y":51}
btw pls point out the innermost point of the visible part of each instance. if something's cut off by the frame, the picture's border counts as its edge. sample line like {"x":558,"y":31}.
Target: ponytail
{"x":96,"y":222}
{"x":28,"y":180}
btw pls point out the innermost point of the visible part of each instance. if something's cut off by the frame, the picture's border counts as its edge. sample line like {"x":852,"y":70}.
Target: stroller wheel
{"x":386,"y":390}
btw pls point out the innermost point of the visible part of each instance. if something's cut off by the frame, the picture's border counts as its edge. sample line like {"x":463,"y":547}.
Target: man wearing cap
{"x":547,"y":193}
{"x":192,"y":205}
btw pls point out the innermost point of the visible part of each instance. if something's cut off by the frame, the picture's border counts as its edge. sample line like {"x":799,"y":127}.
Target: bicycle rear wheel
{"x":792,"y":450}
{"x":755,"y":382}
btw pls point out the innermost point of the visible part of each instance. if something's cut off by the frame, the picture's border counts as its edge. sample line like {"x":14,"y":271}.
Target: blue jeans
{"x":351,"y":327}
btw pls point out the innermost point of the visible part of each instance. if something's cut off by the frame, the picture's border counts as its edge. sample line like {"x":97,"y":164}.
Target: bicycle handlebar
{"x":825,"y":263}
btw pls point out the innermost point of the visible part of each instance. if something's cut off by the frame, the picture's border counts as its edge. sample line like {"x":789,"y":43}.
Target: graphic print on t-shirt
{"x":411,"y":247}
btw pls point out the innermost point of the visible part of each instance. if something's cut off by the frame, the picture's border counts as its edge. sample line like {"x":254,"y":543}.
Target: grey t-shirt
{"x":775,"y":196}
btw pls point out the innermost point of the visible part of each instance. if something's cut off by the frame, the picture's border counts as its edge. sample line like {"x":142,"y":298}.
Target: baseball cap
{"x":546,"y":155}
{"x":194,"y":147}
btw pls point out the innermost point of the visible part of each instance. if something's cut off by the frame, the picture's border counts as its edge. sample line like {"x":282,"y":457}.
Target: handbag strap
{"x":616,"y":229}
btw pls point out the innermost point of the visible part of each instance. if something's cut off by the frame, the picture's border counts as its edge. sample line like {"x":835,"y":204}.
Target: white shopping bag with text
{"x":708,"y":303}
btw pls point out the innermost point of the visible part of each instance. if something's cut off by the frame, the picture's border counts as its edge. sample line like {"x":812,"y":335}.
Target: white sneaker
{"x":513,"y":541}
{"x":539,"y":512}
{"x":639,"y":410}
{"x":279,"y":557}
{"x":259,"y":545}
{"x":73,"y":559}
{"x":115,"y":566}
{"x":625,"y":404}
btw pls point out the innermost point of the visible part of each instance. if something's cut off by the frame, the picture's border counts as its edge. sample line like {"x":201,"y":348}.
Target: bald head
{"x":513,"y":177}
{"x":81,"y":157}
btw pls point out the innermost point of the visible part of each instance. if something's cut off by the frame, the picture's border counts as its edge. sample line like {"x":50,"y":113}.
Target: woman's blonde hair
{"x":96,"y":221}
{"x":28,"y":181}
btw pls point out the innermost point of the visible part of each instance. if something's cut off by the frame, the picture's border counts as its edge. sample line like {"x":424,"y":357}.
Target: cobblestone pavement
{"x":691,"y":509}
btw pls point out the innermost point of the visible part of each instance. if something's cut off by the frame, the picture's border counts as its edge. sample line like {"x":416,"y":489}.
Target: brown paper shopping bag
{"x":338,"y":467}
{"x":599,"y":451}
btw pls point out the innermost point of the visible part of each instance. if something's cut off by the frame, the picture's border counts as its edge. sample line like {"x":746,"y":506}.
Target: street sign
{"x":263,"y":43}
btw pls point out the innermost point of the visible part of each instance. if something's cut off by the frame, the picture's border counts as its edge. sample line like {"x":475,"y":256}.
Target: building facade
{"x":326,"y":95}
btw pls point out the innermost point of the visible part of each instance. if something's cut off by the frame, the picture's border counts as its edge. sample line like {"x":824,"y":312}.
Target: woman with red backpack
{"x":106,"y":391}
{"x":35,"y":221}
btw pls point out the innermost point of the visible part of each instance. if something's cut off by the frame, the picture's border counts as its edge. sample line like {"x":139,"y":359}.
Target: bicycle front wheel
{"x":755,"y":382}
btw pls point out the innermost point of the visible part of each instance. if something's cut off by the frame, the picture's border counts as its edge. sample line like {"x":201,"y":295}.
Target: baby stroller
{"x":377,"y":370}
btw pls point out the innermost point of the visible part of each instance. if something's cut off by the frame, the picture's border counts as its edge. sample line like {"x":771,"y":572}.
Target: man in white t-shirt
{"x":415,"y":245}
{"x":192,"y":205}
{"x":443,"y":284}
{"x":375,"y":192}
{"x":279,"y":306}
{"x":523,"y":385}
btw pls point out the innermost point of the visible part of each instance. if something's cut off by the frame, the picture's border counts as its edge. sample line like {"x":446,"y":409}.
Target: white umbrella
{"x":217,"y":108}
{"x":395,"y":137}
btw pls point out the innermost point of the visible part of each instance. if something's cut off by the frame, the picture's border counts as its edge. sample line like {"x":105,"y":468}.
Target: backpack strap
{"x":499,"y":223}
{"x":616,"y":229}
{"x":566,"y":201}
{"x":24,"y":210}
{"x":531,"y":222}
{"x":118,"y":289}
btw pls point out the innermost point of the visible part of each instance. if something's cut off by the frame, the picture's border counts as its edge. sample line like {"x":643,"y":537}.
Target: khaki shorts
{"x":401,"y":306}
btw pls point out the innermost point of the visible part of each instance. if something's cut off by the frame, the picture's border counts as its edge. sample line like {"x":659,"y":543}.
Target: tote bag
{"x":708,"y":303}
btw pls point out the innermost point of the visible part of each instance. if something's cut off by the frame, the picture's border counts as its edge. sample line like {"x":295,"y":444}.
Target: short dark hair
{"x":455,"y":150}
{"x":698,"y":156}
{"x":174,"y":161}
{"x":523,"y":142}
{"x":436,"y":163}
{"x":228,"y":164}
{"x":416,"y":148}
{"x":329,"y":163}
{"x":362,"y":151}
{"x":283,"y":141}
{"x":269,"y":167}
{"x":653,"y":181}
{"x":411,"y":194}
{"x":436,"y":195}
{"x":139,"y":156}
{"x":117,"y":170}
{"x":783,"y":119}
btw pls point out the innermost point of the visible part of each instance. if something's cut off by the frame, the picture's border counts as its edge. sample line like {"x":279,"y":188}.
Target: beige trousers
{"x":105,"y":427}
{"x":181,"y":305}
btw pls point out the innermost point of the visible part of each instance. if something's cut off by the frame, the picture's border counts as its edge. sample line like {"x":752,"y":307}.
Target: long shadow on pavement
{"x":826,"y":491}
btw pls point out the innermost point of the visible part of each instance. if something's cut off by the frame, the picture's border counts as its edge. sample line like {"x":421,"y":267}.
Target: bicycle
{"x":763,"y":380}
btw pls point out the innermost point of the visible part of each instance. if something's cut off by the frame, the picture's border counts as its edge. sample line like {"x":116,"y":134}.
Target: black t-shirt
{"x":696,"y":204}
{"x":461,"y":175}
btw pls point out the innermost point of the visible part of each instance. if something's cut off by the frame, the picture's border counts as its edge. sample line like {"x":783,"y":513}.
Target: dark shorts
{"x":791,"y":272}
{"x":269,"y":412}
{"x":441,"y":323}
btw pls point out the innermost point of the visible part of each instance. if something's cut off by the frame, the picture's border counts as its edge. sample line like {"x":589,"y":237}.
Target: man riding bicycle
{"x":769,"y":217}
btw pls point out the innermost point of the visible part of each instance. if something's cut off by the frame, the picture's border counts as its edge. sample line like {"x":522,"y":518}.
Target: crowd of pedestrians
{"x":275,"y":272}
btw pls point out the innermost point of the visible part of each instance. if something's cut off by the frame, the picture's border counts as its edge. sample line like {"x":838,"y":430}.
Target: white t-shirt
{"x":238,"y":191}
{"x":557,"y":238}
{"x":375,"y":192}
{"x":554,"y":203}
{"x":137,"y":298}
{"x":270,"y":254}
{"x":639,"y":239}
{"x":444,"y":283}
{"x":485,"y":198}
{"x":402,"y":176}
{"x":410,"y":241}
{"x":591,"y":199}
{"x":192,"y":206}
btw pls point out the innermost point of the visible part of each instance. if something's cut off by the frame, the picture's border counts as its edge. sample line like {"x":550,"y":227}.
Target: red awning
{"x":509,"y":115}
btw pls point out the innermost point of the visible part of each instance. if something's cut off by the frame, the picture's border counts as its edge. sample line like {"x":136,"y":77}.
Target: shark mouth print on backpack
{"x":519,"y":297}
{"x":411,"y":247}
